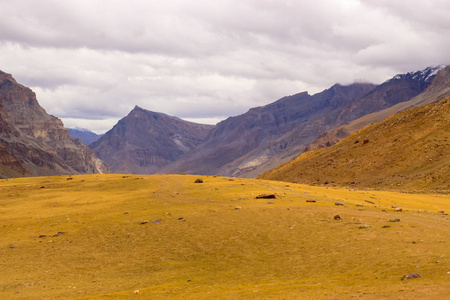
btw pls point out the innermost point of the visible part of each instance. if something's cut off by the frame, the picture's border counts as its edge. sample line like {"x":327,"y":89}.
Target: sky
{"x":91,"y":61}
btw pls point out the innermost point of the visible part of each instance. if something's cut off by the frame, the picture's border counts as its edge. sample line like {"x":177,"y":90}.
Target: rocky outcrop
{"x":37,"y":139}
{"x":145,"y":141}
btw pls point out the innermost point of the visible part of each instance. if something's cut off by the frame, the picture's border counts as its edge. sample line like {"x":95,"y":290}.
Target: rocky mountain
{"x":144,"y":141}
{"x":85,"y":135}
{"x":38,"y":140}
{"x":439,"y":89}
{"x":267,"y":136}
{"x":407,"y":151}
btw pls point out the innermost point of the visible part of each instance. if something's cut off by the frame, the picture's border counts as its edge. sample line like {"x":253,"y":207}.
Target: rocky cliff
{"x":145,"y":141}
{"x":37,"y":139}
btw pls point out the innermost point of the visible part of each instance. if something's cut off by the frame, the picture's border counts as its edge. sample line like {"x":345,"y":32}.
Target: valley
{"x":109,"y":236}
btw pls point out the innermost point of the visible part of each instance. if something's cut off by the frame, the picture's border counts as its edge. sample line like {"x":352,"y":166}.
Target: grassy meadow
{"x":106,"y":236}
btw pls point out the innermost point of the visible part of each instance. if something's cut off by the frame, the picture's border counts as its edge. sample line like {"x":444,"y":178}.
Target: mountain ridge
{"x":37,"y":139}
{"x":408,"y":151}
{"x":144,"y":141}
{"x":320,"y":112}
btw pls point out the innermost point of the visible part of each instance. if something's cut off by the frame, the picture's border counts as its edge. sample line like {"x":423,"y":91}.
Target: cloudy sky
{"x":91,"y":61}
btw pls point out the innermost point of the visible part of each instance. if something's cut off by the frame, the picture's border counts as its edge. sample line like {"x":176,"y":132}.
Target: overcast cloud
{"x":91,"y":61}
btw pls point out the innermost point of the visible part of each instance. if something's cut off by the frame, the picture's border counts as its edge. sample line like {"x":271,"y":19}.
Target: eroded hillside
{"x":409,"y":151}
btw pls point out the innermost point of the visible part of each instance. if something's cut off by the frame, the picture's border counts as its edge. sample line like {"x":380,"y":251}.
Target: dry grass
{"x":203,"y":248}
{"x":408,"y":151}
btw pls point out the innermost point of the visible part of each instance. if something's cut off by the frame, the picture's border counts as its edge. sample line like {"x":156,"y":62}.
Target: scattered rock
{"x":365,"y":142}
{"x":144,"y":222}
{"x":412,"y":275}
{"x":70,"y":178}
{"x":339,"y":203}
{"x":359,"y":205}
{"x":42,"y":236}
{"x":441,"y":211}
{"x":393,"y":206}
{"x":136,"y":292}
{"x":43,"y":187}
{"x":337,"y":217}
{"x":181,"y":218}
{"x":198,"y":180}
{"x":394,"y":220}
{"x":364,"y":226}
{"x":237,"y":208}
{"x":266,"y":196}
{"x":156,"y":221}
{"x":398,"y":209}
{"x":386,"y":226}
{"x":231,"y":179}
{"x":59,"y":233}
{"x":12,"y":246}
{"x":125,"y":213}
{"x":369,"y":201}
{"x":311,"y":201}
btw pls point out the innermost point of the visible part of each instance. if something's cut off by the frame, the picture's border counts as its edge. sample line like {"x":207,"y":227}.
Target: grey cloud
{"x":199,"y":59}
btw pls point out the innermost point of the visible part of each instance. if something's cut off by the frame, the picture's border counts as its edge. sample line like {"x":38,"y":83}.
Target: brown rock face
{"x":37,"y":139}
{"x":145,"y":141}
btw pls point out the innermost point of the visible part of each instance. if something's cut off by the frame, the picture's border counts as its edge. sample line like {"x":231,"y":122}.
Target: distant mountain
{"x":38,"y":140}
{"x":145,"y":141}
{"x":267,"y":136}
{"x":408,"y":151}
{"x":243,"y":143}
{"x":439,"y":89}
{"x":85,"y":135}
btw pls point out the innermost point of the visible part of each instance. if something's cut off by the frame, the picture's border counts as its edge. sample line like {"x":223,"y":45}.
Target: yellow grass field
{"x":82,"y":237}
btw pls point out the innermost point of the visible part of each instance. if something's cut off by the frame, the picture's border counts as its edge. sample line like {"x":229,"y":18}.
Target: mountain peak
{"x":422,"y":75}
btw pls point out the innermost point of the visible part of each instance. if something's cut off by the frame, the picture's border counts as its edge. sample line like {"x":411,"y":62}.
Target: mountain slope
{"x":262,"y":129}
{"x":85,"y":135}
{"x":437,"y":90}
{"x":37,"y":139}
{"x":145,"y":141}
{"x":410,"y":150}
{"x":267,"y":136}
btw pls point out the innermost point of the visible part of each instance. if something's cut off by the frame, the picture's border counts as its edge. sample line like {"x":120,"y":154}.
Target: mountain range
{"x":34,"y":142}
{"x":85,"y":135}
{"x":259,"y":140}
{"x":407,"y":151}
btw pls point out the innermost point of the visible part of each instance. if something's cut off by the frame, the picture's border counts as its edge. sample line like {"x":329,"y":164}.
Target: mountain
{"x":408,"y":151}
{"x":437,"y":90}
{"x":267,"y":136}
{"x":144,"y":141}
{"x":85,"y":135}
{"x":38,"y":140}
